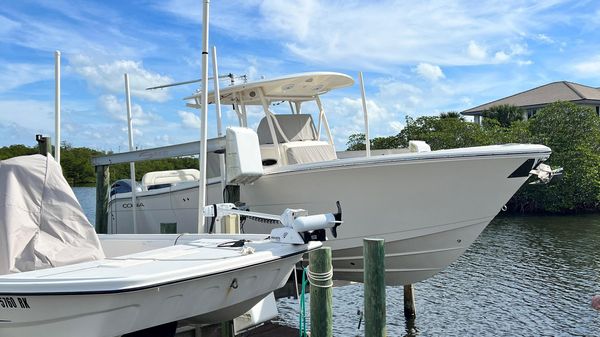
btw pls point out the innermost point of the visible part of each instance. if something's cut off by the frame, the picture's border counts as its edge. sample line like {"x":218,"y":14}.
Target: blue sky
{"x":418,"y":59}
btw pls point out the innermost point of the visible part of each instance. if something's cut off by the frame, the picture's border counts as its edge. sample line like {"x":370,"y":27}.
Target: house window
{"x":530,"y":113}
{"x":598,"y":110}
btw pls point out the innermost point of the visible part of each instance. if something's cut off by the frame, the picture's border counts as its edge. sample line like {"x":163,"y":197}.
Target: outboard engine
{"x":123,"y":186}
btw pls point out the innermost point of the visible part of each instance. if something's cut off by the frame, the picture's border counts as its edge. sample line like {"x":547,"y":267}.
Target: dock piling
{"x":374,"y":287}
{"x":44,"y":145}
{"x":321,"y":302}
{"x":102,"y":185}
{"x":409,"y":302}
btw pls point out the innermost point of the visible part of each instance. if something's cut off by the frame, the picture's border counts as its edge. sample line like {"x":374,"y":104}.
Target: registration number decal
{"x":14,"y":303}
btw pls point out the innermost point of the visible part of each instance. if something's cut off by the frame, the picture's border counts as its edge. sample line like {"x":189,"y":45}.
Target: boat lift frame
{"x":102,"y":164}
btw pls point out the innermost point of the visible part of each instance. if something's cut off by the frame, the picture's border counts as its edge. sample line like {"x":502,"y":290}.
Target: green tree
{"x":16,"y":150}
{"x":442,"y":132}
{"x":356,"y":142}
{"x":573,"y":133}
{"x":77,"y":166}
{"x":452,"y":114}
{"x":505,"y":114}
{"x":381,"y":143}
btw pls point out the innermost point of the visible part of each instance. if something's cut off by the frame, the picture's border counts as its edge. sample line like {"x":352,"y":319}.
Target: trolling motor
{"x":298,"y":226}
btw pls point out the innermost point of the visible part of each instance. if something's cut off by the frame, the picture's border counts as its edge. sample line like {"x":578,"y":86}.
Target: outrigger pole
{"x":230,"y":76}
{"x":131,"y":164}
{"x":203,"y":118}
{"x":218,"y":110}
{"x":365,"y":114}
{"x":57,"y":106}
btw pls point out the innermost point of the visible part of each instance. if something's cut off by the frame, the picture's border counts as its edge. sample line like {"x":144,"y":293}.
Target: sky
{"x":418,"y":58}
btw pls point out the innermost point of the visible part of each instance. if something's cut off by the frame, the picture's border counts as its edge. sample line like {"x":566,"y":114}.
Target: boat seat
{"x":297,"y":127}
{"x":308,"y":152}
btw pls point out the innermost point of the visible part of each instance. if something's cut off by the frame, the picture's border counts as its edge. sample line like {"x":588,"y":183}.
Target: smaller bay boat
{"x":59,"y":279}
{"x":211,"y":278}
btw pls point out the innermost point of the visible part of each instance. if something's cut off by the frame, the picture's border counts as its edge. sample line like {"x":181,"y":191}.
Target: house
{"x":532,"y":100}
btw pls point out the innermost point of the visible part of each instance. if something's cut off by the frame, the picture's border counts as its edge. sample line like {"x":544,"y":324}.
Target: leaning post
{"x":374,"y":287}
{"x":102,"y":182}
{"x":321,"y":302}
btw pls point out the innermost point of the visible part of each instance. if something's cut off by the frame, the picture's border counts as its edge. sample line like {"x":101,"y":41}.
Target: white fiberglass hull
{"x":112,"y":297}
{"x":429,"y":207}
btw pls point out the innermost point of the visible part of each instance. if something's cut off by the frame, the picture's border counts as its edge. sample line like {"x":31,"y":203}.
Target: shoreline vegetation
{"x":571,"y":131}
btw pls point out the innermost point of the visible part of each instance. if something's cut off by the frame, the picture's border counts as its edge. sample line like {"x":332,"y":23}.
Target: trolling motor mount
{"x":294,"y":221}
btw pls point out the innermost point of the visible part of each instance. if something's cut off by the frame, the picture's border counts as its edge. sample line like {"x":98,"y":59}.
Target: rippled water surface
{"x":524,"y":276}
{"x":87,"y":199}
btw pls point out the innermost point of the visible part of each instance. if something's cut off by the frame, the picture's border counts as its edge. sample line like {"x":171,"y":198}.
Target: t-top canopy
{"x":297,"y":87}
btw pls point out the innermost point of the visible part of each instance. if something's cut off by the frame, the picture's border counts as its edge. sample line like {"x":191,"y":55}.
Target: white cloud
{"x":588,"y":68}
{"x":355,"y":34}
{"x":118,"y":111}
{"x":293,"y":18}
{"x":13,"y":133}
{"x":481,"y":53}
{"x":346,"y":117}
{"x":163,"y":139}
{"x":518,"y":49}
{"x":189,"y":119}
{"x":476,"y":51}
{"x":501,"y":56}
{"x":429,"y":71}
{"x":544,"y":38}
{"x":30,"y":114}
{"x":109,"y":76}
{"x":14,"y":75}
{"x":7,"y":25}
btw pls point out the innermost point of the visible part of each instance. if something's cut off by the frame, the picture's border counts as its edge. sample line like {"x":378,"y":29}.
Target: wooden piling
{"x":410,"y":311}
{"x":102,"y":185}
{"x":374,"y":285}
{"x":321,"y":302}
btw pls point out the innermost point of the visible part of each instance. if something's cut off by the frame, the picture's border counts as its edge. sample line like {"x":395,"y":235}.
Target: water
{"x":87,"y":199}
{"x":524,"y":276}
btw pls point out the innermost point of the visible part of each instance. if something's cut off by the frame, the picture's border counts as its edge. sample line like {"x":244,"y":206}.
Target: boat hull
{"x":428,"y":208}
{"x":210,"y":299}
